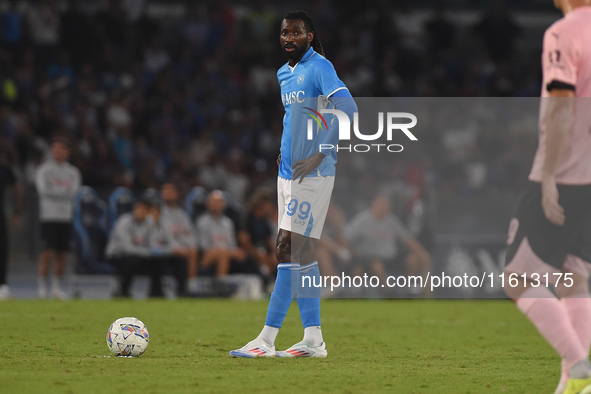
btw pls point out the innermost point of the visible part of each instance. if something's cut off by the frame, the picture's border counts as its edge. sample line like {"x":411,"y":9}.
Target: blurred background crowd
{"x":193,"y":96}
{"x":186,"y":92}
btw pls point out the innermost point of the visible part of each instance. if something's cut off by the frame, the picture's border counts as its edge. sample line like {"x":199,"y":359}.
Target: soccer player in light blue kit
{"x":304,"y":185}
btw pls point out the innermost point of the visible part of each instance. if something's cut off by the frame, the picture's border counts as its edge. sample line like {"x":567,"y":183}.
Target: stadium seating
{"x":152,"y":195}
{"x":195,"y":203}
{"x":233,"y":210}
{"x":90,"y":233}
{"x":121,"y":201}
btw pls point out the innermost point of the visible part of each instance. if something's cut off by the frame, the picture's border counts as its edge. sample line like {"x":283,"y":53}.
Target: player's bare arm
{"x":560,"y":123}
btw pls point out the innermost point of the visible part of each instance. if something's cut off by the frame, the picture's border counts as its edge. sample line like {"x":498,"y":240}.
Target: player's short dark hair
{"x":309,"y":23}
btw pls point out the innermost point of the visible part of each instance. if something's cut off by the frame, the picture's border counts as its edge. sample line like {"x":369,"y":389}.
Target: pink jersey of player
{"x":566,"y":63}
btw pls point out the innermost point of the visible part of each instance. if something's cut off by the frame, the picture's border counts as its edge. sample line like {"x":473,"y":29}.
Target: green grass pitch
{"x":399,"y":346}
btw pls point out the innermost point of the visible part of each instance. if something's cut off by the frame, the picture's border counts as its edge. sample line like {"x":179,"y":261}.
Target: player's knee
{"x":283,"y":251}
{"x":308,"y":254}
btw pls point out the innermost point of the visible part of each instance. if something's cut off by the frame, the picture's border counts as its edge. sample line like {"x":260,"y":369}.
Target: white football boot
{"x":59,"y":294}
{"x":4,"y":292}
{"x":42,"y":287}
{"x":580,"y":381}
{"x":304,"y":349}
{"x":256,"y":348}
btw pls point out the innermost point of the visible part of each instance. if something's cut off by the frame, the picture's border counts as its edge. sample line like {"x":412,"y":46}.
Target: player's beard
{"x":558,"y":4}
{"x":297,"y":53}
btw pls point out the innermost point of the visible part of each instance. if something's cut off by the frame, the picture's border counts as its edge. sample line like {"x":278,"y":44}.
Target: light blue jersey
{"x":308,"y":84}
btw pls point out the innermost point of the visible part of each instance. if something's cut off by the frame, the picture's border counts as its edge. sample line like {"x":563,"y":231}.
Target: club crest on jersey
{"x":300,"y":79}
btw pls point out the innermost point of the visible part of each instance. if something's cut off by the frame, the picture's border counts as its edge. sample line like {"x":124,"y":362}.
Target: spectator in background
{"x":499,"y":31}
{"x":8,"y":128}
{"x":182,"y":235}
{"x":212,"y":108}
{"x":217,"y":236}
{"x":61,"y":69}
{"x":44,"y":26}
{"x":195,"y":26}
{"x":236,"y":182}
{"x":374,"y":236}
{"x":164,"y":256}
{"x":110,"y":24}
{"x":8,"y":181}
{"x":146,"y":117}
{"x":57,"y":181}
{"x":441,"y":32}
{"x":260,"y":24}
{"x":134,"y":9}
{"x":332,"y":249}
{"x":258,"y":239}
{"x":11,"y":21}
{"x":76,"y":34}
{"x":129,"y":248}
{"x":156,"y":57}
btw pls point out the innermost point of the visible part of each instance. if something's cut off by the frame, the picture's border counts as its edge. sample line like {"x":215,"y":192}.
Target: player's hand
{"x":302,"y":168}
{"x":279,"y":160}
{"x":552,"y":209}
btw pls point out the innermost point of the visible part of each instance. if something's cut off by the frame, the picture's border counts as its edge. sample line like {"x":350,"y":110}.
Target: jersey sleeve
{"x":327,"y":80}
{"x":560,"y":59}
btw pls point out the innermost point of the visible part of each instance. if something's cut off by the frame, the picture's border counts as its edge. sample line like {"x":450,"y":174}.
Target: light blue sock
{"x":309,"y":295}
{"x":286,"y":285}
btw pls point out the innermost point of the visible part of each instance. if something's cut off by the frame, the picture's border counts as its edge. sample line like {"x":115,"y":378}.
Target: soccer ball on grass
{"x":128,"y":337}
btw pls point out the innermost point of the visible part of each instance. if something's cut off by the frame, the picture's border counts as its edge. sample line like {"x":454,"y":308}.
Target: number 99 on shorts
{"x":301,"y":210}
